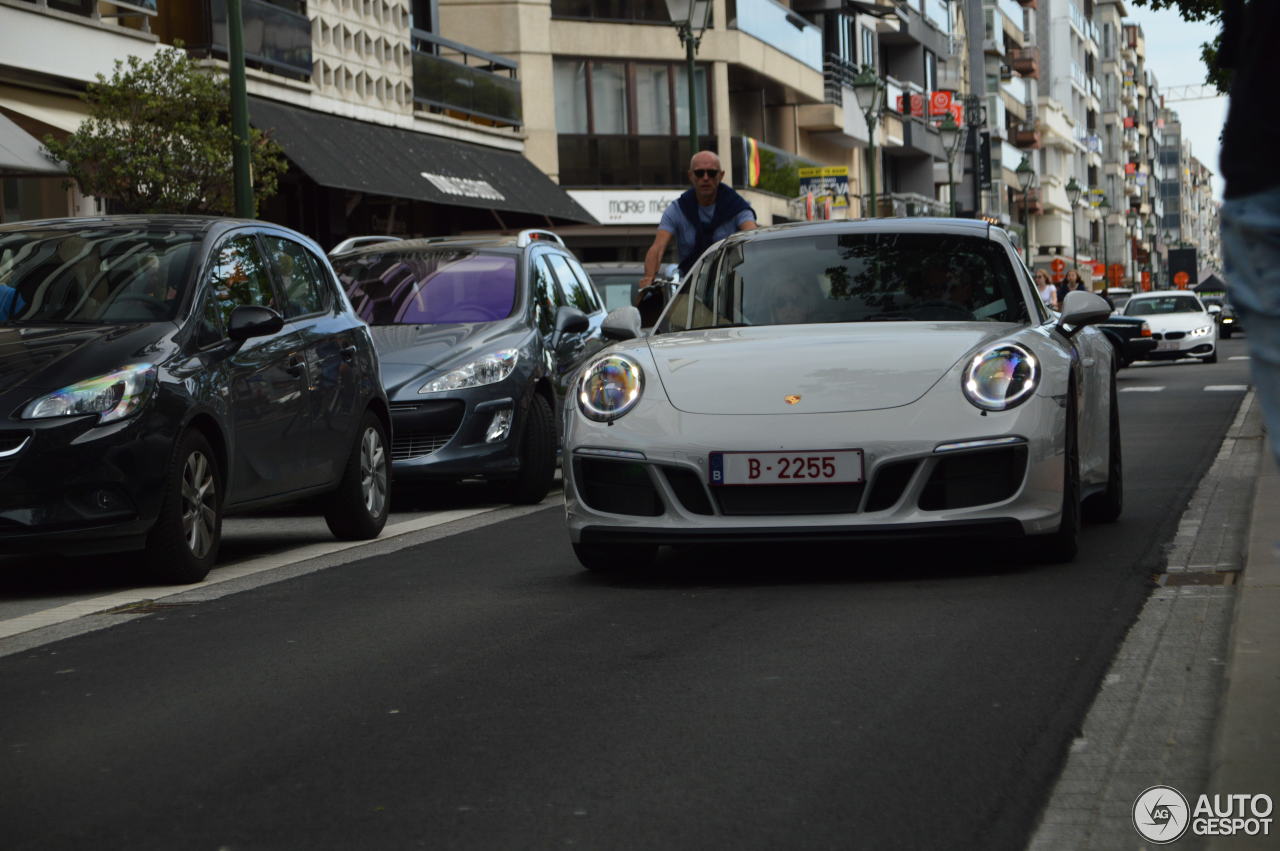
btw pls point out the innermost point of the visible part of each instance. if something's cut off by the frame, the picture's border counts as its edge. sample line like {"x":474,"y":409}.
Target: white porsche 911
{"x":873,"y":379}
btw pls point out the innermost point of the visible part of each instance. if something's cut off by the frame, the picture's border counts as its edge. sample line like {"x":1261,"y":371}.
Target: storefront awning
{"x":60,"y":112}
{"x":342,"y":153}
{"x":20,"y":153}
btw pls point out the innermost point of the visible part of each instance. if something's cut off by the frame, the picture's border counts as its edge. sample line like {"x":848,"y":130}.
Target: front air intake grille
{"x":888,"y":484}
{"x":780,"y":500}
{"x":687,"y":485}
{"x":407,"y":446}
{"x":1175,"y":335}
{"x":974,"y":478}
{"x":617,"y":487}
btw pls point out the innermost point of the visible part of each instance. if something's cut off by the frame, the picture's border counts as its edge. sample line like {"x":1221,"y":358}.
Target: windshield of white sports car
{"x":849,"y":277}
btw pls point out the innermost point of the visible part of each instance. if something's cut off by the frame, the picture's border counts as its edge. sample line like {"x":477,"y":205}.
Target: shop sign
{"x":625,"y":206}
{"x":467,"y":187}
{"x":828,"y":182}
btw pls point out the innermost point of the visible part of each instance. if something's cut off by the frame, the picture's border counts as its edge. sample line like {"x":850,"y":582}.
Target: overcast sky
{"x":1173,"y":55}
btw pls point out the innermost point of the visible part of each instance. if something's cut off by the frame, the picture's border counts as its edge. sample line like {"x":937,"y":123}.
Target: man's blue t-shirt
{"x":673,"y":221}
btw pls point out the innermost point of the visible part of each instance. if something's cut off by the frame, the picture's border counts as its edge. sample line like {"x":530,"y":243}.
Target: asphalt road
{"x":482,"y":692}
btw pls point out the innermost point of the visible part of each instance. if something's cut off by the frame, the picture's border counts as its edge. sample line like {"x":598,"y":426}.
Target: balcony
{"x":445,"y":79}
{"x":276,"y":39}
{"x":1034,"y":206}
{"x":1026,"y":61}
{"x":1026,"y":136}
{"x":837,"y":75}
{"x":1028,"y":4}
{"x":779,"y":27}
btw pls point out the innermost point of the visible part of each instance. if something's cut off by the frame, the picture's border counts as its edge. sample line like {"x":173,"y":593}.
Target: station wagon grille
{"x":404,"y":447}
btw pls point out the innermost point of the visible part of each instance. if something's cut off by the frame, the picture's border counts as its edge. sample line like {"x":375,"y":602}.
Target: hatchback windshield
{"x":851,"y":277}
{"x":429,"y":287}
{"x":1163,"y":304}
{"x":98,"y":275}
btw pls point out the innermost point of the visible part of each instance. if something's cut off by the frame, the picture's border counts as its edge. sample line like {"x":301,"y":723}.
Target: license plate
{"x":805,"y":467}
{"x":1166,"y":345}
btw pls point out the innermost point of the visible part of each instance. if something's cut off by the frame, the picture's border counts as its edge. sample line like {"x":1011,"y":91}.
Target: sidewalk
{"x":1246,"y":754}
{"x":1192,"y":698}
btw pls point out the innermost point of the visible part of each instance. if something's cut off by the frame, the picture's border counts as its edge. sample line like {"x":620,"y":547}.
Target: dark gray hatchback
{"x":478,"y":338}
{"x":157,"y":372}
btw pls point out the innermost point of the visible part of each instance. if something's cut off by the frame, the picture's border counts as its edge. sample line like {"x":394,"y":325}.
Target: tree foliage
{"x":1200,"y":10}
{"x":158,"y":140}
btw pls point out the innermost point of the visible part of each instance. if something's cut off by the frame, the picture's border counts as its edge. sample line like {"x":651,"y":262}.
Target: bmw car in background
{"x":1180,"y":323}
{"x":159,"y":372}
{"x":477,"y":338}
{"x":846,"y":380}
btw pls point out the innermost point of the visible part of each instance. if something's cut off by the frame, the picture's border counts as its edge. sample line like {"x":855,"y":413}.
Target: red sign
{"x":916,"y":102}
{"x":1099,"y":270}
{"x":1130,"y":168}
{"x":1181,"y":279}
{"x":957,"y":109}
{"x":939,"y":103}
{"x":1129,"y":122}
{"x":1116,"y":274}
{"x":1058,"y":265}
{"x":1146,"y":281}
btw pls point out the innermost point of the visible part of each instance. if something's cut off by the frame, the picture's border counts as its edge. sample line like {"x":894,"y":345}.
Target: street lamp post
{"x":975,"y":116}
{"x":1105,"y":207}
{"x":1073,"y":198}
{"x":1131,"y":261}
{"x":868,"y":88}
{"x":690,"y":18}
{"x":1026,"y":179}
{"x":242,"y":181}
{"x":949,"y":134}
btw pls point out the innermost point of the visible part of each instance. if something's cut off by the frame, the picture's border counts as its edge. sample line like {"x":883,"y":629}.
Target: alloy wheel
{"x":199,"y":504}
{"x":373,"y":472}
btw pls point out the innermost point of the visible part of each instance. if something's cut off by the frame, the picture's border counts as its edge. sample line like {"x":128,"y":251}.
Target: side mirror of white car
{"x":1082,"y":308}
{"x":622,"y":323}
{"x":1215,"y":308}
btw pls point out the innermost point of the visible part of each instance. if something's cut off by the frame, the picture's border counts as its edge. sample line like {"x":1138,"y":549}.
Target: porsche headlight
{"x":112,"y":397}
{"x":489,"y":369}
{"x":1001,"y":378}
{"x":609,"y":388}
{"x":1201,"y":332}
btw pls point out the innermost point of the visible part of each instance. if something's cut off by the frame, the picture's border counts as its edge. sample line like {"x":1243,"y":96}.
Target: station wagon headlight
{"x":609,"y":388}
{"x":1201,"y":332}
{"x":1001,"y":377}
{"x":489,"y":369}
{"x":112,"y":397}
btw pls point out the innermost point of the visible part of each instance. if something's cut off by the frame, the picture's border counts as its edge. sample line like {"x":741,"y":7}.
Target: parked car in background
{"x":1225,"y":314}
{"x":1130,"y":336}
{"x":163,"y":371}
{"x":619,"y":283}
{"x":1180,"y":323}
{"x":477,"y":338}
{"x":1118,"y":296}
{"x":884,"y":378}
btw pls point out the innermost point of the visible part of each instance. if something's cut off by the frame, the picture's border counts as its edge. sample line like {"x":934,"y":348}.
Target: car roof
{"x":196,"y":223}
{"x":1163,"y":293}
{"x":911,"y":224}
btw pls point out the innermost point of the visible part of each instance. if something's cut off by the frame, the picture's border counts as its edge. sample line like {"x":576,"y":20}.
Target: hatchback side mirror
{"x":251,"y":320}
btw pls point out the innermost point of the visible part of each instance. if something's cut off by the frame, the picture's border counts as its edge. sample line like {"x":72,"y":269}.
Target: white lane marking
{"x":1229,"y":388}
{"x":1238,"y":357}
{"x":1143,"y":389}
{"x":93,"y":605}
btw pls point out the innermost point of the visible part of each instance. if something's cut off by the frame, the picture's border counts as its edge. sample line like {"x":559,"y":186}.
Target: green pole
{"x":951,"y":183}
{"x":239,"y":112}
{"x":693,"y":92}
{"x":871,"y":166}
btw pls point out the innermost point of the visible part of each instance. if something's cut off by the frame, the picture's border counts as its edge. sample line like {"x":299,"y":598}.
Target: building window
{"x":625,"y":11}
{"x":868,"y":47}
{"x":930,"y":71}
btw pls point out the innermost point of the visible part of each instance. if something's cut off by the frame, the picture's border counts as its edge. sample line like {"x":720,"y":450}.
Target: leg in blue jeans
{"x":1251,"y":255}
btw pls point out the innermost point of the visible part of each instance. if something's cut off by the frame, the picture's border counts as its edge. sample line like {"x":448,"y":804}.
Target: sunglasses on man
{"x":706,"y":172}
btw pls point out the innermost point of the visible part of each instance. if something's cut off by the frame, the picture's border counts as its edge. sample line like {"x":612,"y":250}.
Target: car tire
{"x":605,"y":558}
{"x":537,"y":455}
{"x":1105,"y":507}
{"x":182,"y":546}
{"x":1227,"y":332}
{"x":357,"y":509}
{"x":1061,"y":546}
{"x":1213,"y":358}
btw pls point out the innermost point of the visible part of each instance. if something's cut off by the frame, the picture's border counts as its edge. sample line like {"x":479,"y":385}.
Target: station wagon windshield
{"x":94,"y":276}
{"x":850,"y":278}
{"x":429,"y":287}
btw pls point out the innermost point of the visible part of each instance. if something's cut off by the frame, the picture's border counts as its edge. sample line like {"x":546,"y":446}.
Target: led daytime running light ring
{"x":1001,"y":377}
{"x":610,"y":387}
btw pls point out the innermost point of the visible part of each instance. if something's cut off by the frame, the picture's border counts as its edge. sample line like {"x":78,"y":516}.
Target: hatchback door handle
{"x":348,"y":353}
{"x":296,"y":366}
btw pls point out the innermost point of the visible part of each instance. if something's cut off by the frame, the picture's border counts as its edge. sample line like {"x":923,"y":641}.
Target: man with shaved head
{"x":703,"y":215}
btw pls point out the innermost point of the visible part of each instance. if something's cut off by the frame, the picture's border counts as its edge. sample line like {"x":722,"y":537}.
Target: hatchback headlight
{"x":112,"y":397}
{"x":489,"y":369}
{"x":1001,"y":377}
{"x":609,"y":388}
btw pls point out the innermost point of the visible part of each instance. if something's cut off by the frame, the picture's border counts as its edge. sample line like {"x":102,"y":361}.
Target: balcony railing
{"x":275,"y":39}
{"x":778,"y":26}
{"x":445,"y":79}
{"x":1026,"y":61}
{"x":1026,"y":136}
{"x":838,"y":74}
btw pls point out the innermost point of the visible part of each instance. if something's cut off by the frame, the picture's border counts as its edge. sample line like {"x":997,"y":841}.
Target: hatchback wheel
{"x":537,"y":456}
{"x":358,"y":509}
{"x":183,"y":544}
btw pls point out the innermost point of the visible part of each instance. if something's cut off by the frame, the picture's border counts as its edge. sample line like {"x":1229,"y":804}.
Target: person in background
{"x":1072,"y":281}
{"x":1251,"y":201}
{"x":1048,"y":292}
{"x":703,"y":215}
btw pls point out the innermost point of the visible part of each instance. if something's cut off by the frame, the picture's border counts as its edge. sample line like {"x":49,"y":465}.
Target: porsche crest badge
{"x":791,"y":400}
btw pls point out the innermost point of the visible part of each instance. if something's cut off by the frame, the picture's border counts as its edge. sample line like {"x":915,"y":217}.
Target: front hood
{"x":832,"y":368}
{"x":43,"y":358}
{"x":1162,"y":323}
{"x":409,"y":352}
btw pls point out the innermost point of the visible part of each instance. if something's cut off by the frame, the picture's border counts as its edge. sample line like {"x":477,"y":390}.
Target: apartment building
{"x":50,"y":50}
{"x":388,"y":125}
